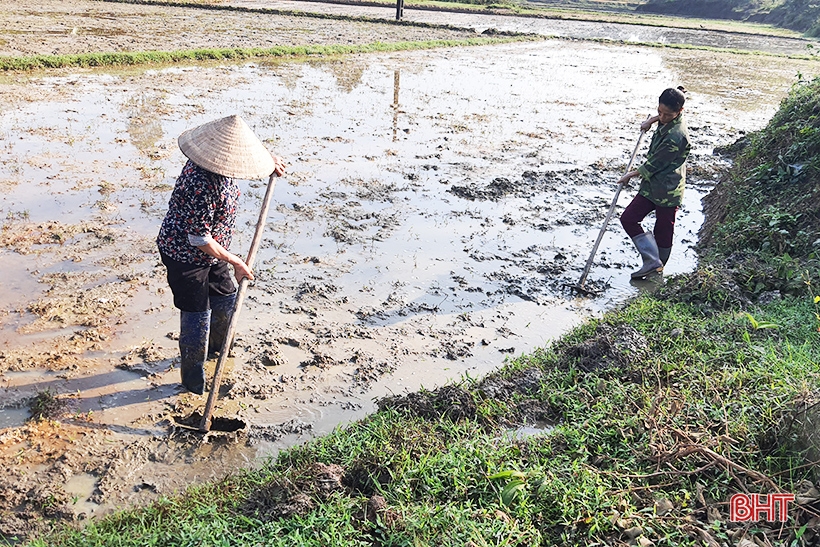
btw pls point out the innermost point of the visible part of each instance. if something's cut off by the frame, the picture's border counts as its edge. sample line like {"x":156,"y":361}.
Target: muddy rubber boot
{"x":645,"y":243}
{"x":221,"y":313}
{"x":663,"y":254}
{"x":193,"y":342}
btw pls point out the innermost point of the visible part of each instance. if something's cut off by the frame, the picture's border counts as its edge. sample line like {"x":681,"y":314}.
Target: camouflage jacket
{"x":663,"y":174}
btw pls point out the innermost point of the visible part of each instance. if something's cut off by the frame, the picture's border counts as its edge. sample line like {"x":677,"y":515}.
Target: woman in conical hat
{"x":196,"y":234}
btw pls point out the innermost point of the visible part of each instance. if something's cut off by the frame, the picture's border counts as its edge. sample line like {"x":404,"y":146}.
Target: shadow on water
{"x":84,"y":395}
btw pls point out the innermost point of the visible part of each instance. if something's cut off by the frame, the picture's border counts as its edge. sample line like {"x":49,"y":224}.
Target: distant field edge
{"x":131,"y":58}
{"x":534,"y":9}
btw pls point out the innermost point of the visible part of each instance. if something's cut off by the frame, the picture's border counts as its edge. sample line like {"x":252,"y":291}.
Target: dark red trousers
{"x":636,"y":211}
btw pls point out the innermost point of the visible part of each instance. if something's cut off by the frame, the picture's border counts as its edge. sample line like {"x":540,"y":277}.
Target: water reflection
{"x":395,"y":105}
{"x":144,"y":123}
{"x":347,"y":72}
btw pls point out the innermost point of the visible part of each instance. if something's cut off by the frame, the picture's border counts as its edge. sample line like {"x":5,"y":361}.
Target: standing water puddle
{"x":531,"y":430}
{"x":436,"y":206}
{"x":81,"y":487}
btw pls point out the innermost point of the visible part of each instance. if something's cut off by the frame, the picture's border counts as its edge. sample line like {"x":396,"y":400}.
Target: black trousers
{"x":192,"y":284}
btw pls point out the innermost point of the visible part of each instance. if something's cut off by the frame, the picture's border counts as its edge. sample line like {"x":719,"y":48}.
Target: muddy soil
{"x":437,"y":205}
{"x":33,"y":27}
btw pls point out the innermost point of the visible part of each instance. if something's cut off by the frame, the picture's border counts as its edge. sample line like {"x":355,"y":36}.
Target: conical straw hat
{"x":227,"y":147}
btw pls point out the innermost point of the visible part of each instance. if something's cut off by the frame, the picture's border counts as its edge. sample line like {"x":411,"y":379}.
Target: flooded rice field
{"x":562,"y":28}
{"x":436,"y":207}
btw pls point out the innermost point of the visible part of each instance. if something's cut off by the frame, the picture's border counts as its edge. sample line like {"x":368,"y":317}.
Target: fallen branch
{"x":729,"y":464}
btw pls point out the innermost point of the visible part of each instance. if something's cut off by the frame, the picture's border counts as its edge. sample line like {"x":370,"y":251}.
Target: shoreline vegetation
{"x":799,"y":15}
{"x":128,"y":58}
{"x":153,"y":58}
{"x":640,"y":426}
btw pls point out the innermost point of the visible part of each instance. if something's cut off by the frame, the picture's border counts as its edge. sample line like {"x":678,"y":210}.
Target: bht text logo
{"x":754,"y":507}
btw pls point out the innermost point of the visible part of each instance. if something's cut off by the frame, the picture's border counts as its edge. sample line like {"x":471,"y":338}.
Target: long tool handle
{"x":240,"y":296}
{"x":608,"y":216}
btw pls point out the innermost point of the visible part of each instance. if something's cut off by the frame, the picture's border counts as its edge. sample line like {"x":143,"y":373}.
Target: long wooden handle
{"x":608,"y":215}
{"x":240,"y":296}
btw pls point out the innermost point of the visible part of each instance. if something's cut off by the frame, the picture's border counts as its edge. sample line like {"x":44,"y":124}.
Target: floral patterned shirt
{"x":202,"y":207}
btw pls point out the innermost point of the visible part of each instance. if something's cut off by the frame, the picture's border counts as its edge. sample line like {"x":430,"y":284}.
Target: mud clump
{"x":376,"y":506}
{"x":497,"y":189}
{"x":309,"y":288}
{"x":530,"y":183}
{"x":368,"y":475}
{"x":30,"y":237}
{"x":451,"y":402}
{"x":46,"y":405}
{"x":296,"y":496}
{"x":610,"y":347}
{"x":368,"y":369}
{"x":712,"y":288}
{"x":34,"y":501}
{"x":525,"y":382}
{"x":299,"y":494}
{"x":255,"y":380}
{"x":277,"y":501}
{"x":457,"y":350}
{"x":321,"y":479}
{"x":273,"y":433}
{"x":520,"y":391}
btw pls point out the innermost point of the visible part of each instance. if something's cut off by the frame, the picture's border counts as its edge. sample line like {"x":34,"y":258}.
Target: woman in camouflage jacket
{"x":663,"y":176}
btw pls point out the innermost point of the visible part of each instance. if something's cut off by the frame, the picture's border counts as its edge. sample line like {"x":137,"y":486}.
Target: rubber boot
{"x":645,"y":243}
{"x":221,"y":313}
{"x":663,"y":254}
{"x":193,"y":342}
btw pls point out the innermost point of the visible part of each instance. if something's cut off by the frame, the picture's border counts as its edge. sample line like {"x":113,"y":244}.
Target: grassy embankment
{"x":799,"y":15}
{"x":661,"y":411}
{"x":126,"y":58}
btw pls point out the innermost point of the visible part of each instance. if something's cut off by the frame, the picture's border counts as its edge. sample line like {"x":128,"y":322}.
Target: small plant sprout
{"x":758,"y":325}
{"x":518,"y":484}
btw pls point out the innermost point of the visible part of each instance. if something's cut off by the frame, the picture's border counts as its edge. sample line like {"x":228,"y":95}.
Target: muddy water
{"x":437,"y":204}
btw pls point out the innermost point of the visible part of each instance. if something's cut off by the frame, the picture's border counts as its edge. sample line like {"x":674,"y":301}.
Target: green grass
{"x":38,"y":62}
{"x":765,"y":214}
